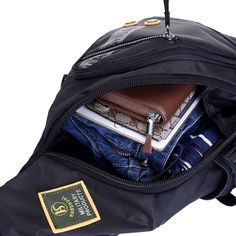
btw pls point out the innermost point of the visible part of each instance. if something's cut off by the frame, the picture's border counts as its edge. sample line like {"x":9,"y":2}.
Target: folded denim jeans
{"x":124,"y":156}
{"x":110,"y":152}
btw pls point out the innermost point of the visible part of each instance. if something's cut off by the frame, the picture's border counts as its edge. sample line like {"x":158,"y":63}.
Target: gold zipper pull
{"x":153,"y":117}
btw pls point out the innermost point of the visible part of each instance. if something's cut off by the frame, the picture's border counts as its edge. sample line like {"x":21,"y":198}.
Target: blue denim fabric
{"x":110,"y":151}
{"x":191,"y":149}
{"x":124,"y":156}
{"x":194,"y":121}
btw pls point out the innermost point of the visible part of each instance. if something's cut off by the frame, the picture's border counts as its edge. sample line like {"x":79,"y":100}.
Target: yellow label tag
{"x":69,"y":207}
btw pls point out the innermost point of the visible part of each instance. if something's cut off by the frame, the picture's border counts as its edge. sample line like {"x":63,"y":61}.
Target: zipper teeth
{"x":126,"y":105}
{"x":158,"y":183}
{"x":197,"y":53}
{"x":123,"y":153}
{"x":56,"y":125}
{"x":117,"y":150}
{"x":180,"y":51}
{"x":92,"y":54}
{"x":129,"y":84}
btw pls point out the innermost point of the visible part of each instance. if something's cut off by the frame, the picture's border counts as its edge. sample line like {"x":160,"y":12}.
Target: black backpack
{"x":141,"y":53}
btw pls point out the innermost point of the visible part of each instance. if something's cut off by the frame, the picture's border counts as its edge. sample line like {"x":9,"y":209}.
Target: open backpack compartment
{"x":132,"y":56}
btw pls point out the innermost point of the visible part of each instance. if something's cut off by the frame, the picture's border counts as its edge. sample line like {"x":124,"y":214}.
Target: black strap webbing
{"x":167,"y":13}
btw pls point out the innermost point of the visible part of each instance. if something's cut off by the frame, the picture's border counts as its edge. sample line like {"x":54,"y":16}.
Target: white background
{"x":39,"y":42}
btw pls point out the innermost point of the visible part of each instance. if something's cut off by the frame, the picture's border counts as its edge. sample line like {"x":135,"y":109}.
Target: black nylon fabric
{"x":191,"y":34}
{"x":199,"y":55}
{"x":222,"y":110}
{"x":121,"y":210}
{"x":21,"y":213}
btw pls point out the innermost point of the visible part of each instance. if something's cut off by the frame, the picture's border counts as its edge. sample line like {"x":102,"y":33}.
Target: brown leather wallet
{"x":155,"y":104}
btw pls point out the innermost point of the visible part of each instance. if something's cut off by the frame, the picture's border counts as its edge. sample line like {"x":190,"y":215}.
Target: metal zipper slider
{"x":153,"y":117}
{"x":168,"y":35}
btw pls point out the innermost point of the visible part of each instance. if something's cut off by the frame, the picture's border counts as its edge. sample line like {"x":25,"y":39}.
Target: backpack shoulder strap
{"x":228,"y":200}
{"x":229,"y":162}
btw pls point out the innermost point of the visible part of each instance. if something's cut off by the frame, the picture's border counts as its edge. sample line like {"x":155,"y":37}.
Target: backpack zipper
{"x":111,"y":178}
{"x":149,"y":58}
{"x":155,"y":186}
{"x":162,"y":79}
{"x":150,"y":116}
{"x":123,"y":45}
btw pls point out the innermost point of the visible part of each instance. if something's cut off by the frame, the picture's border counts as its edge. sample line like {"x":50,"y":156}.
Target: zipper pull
{"x":152,"y":119}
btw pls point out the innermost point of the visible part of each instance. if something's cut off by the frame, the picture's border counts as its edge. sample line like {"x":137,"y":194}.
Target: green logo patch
{"x":69,"y":207}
